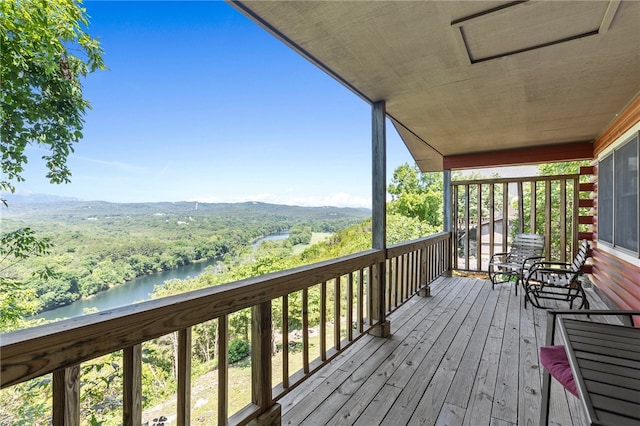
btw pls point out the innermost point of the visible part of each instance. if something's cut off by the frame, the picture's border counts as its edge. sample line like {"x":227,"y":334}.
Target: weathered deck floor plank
{"x":468,"y":355}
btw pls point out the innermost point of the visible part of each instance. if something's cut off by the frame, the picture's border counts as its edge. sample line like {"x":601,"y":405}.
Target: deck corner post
{"x":382,"y":329}
{"x":425,"y":291}
{"x":383,"y":326}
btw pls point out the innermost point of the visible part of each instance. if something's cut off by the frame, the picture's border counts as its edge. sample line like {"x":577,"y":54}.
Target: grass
{"x":204,"y":388}
{"x":316,"y":237}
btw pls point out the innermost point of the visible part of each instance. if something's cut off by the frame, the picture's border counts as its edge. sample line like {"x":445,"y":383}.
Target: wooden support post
{"x":454,"y":231}
{"x":184,"y":377}
{"x":261,"y":366}
{"x":379,"y":216}
{"x":383,"y":328}
{"x":66,"y":397}
{"x":379,"y":175}
{"x":448,"y":218}
{"x":132,"y":387}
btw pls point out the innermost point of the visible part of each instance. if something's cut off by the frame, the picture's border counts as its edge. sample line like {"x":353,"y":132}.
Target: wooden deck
{"x":468,"y":355}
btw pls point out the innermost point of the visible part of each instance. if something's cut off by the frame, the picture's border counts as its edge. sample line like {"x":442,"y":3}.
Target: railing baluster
{"x":433,"y":260}
{"x":396,"y":283}
{"x":424,"y":267}
{"x":388,"y":284}
{"x":407,"y":276}
{"x":350,"y":306}
{"x":305,"y":330}
{"x":416,"y":272}
{"x":132,"y":385}
{"x":66,"y":396}
{"x":534,"y":202}
{"x":336,"y":313}
{"x":223,"y":365}
{"x":547,"y":220}
{"x":184,"y":377}
{"x":401,"y":279}
{"x":369,"y":297}
{"x":285,"y":341}
{"x":323,"y":321}
{"x":467,"y":224}
{"x":360,"y":300}
{"x":520,"y":208}
{"x":409,"y":273}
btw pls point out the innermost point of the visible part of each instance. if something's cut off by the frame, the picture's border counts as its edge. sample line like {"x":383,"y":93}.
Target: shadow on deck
{"x":465,"y":356}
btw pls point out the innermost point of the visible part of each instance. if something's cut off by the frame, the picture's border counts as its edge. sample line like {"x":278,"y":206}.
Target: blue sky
{"x":200,"y":103}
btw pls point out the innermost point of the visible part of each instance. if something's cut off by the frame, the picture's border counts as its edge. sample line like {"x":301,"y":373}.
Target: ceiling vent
{"x":522,"y":26}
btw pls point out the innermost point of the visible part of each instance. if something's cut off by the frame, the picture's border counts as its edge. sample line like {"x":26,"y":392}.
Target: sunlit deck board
{"x":468,"y":355}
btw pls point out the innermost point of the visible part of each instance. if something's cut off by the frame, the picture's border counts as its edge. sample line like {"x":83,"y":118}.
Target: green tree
{"x":16,"y":300}
{"x":45,"y":53}
{"x":41,"y":96}
{"x":416,"y":195}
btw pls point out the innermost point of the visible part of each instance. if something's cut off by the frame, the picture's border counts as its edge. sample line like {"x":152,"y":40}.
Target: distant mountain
{"x":49,"y":207}
{"x":33,"y":198}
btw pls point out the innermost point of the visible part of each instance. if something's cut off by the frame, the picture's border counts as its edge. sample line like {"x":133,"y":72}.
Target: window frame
{"x":614,"y":196}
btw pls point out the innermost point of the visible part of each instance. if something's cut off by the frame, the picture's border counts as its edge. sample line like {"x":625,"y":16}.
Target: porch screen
{"x":605,"y":199}
{"x":618,"y":220}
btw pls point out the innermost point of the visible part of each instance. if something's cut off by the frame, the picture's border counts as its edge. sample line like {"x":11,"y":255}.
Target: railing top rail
{"x":409,"y":246}
{"x":69,"y":342}
{"x":514,"y":179}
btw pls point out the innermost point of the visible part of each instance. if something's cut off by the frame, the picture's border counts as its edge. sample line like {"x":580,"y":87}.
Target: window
{"x":605,"y":199}
{"x":618,"y":197}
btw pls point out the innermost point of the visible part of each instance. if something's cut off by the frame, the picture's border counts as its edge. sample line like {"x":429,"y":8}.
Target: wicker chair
{"x":514,"y":264}
{"x":557,"y":281}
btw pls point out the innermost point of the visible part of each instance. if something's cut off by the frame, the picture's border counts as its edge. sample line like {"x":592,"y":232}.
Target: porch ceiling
{"x":462,"y":77}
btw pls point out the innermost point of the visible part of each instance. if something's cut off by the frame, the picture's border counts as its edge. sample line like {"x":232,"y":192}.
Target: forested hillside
{"x":97,"y":245}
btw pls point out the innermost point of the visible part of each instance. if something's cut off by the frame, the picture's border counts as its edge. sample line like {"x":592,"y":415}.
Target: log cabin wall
{"x":614,"y":273}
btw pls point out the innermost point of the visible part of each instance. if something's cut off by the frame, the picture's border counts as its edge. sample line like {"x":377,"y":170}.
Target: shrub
{"x":238,"y":350}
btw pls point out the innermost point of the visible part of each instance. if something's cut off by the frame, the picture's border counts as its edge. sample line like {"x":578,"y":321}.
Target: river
{"x":138,"y":289}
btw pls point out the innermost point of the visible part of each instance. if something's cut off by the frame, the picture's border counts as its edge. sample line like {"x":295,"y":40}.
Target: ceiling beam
{"x":511,"y":157}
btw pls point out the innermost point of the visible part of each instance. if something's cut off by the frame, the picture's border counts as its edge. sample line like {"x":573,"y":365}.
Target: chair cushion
{"x":554,"y":359}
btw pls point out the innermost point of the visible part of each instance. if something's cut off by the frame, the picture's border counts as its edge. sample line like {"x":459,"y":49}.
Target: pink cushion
{"x":555,"y":361}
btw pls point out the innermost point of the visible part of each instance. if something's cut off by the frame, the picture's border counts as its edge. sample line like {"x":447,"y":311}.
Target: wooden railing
{"x":487,"y":213}
{"x":345,"y":287}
